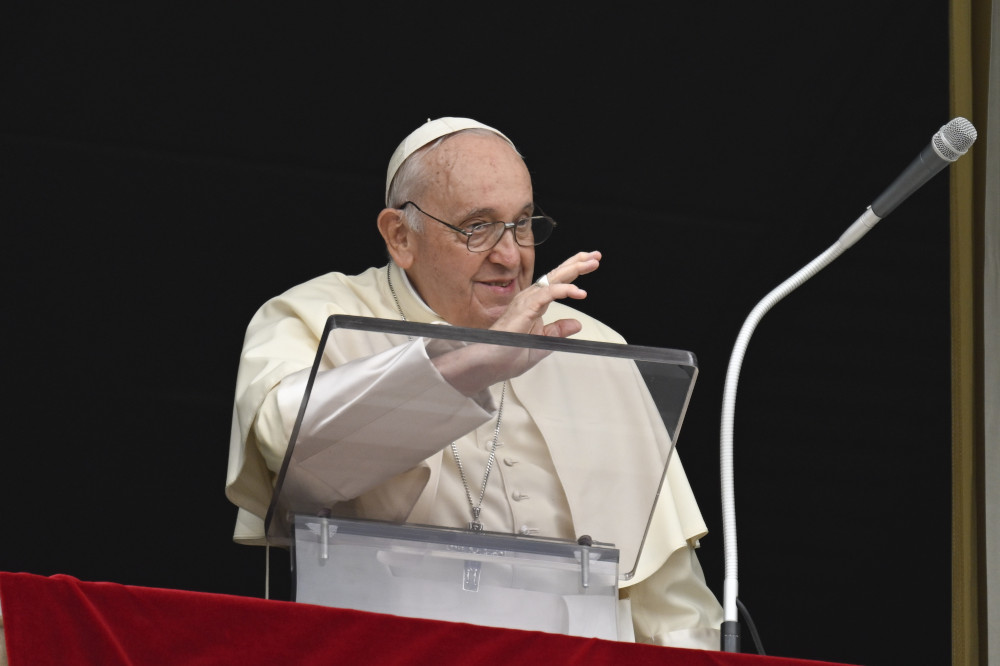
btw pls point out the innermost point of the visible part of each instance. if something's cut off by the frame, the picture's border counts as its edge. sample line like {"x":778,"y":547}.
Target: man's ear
{"x":398,"y":236}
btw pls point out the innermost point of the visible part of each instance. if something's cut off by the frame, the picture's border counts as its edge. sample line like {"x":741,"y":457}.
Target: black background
{"x":166,"y":169}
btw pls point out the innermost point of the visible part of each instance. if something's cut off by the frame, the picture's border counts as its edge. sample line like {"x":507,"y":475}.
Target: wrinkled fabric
{"x":280,"y":347}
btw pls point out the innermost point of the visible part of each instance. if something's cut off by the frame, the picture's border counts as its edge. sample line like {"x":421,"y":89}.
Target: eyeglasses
{"x":482,"y":236}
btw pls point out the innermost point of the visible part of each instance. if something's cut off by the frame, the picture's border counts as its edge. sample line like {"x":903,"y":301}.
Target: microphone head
{"x":954,"y":139}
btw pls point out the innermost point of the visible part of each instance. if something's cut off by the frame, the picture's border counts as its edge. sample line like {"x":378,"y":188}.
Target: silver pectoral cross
{"x":476,"y":525}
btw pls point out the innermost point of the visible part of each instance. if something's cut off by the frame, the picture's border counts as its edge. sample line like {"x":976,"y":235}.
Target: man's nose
{"x":506,"y":249}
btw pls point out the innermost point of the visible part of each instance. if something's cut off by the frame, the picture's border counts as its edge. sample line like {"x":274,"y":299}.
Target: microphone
{"x":951,"y":142}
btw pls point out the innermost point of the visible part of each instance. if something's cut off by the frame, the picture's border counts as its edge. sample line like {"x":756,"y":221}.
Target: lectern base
{"x":437,"y":573}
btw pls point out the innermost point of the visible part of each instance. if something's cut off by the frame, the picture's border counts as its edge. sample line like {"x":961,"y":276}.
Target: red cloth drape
{"x":65,"y":621}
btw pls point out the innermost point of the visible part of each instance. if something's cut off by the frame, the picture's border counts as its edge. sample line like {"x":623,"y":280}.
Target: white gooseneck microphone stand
{"x":950,"y":143}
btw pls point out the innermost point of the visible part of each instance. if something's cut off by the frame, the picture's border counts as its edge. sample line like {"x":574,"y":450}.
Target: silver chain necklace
{"x":476,"y":524}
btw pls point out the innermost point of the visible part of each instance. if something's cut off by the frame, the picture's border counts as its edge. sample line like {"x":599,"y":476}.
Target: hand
{"x":524,"y":314}
{"x":473,"y":368}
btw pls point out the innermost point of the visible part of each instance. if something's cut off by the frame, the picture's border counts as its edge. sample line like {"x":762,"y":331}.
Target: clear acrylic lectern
{"x":375,"y":410}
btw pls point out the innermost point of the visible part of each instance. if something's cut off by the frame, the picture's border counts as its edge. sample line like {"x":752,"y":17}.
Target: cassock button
{"x":517,"y":496}
{"x":510,"y":462}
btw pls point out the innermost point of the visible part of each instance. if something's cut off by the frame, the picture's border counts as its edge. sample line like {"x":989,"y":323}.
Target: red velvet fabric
{"x":65,"y":621}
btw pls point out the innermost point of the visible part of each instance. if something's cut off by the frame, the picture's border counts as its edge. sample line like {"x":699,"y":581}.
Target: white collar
{"x":429,"y":314}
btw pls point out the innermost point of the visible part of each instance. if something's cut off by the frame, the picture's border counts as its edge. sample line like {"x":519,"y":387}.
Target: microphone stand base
{"x":730,"y":632}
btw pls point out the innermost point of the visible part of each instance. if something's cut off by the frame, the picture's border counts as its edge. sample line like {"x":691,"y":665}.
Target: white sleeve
{"x":674,"y":606}
{"x":368,"y":420}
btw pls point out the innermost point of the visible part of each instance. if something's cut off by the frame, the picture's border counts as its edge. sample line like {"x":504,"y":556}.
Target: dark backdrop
{"x":166,"y":169}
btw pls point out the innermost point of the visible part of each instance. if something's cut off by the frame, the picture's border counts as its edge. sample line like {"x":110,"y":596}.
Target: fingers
{"x":563,"y":328}
{"x":579,"y":264}
{"x":559,"y":284}
{"x":524,"y":314}
{"x":558,"y":290}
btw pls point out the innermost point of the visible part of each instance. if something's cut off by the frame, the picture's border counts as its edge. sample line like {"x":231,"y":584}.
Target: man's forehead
{"x":478,"y":174}
{"x":463,"y":150}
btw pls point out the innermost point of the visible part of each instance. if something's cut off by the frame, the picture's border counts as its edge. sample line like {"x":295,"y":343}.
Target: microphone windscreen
{"x":954,"y":139}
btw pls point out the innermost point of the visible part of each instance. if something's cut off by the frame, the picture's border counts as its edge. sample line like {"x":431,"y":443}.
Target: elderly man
{"x":454,"y":188}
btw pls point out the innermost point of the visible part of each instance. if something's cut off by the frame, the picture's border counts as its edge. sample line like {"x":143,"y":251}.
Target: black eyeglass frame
{"x":506,"y":225}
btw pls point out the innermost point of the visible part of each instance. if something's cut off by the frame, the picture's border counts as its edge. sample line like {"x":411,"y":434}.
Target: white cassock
{"x":388,"y":466}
